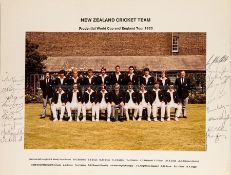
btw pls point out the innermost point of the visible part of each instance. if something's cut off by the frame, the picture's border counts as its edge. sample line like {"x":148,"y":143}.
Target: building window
{"x":175,"y":44}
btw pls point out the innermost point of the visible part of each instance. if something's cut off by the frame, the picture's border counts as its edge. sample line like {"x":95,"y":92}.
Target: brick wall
{"x":58,"y":44}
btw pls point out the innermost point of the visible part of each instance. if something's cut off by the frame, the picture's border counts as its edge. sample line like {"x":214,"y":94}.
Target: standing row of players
{"x":148,"y":95}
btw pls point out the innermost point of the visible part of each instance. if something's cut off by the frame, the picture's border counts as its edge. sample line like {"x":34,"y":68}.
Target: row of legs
{"x":111,"y":110}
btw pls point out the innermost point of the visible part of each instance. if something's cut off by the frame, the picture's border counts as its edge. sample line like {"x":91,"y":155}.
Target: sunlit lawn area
{"x":186,"y":134}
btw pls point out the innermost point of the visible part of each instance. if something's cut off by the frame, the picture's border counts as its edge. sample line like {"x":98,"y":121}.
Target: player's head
{"x":156,"y":85}
{"x":130,"y":86}
{"x":61,"y":73}
{"x":146,"y":71}
{"x":103,"y":70}
{"x":117,"y":69}
{"x":131,"y":69}
{"x":182,"y":73}
{"x":90,"y":72}
{"x":47,"y":74}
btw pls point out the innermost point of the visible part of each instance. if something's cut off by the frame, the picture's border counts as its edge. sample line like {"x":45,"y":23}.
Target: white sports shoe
{"x":168,"y":119}
{"x":149,"y":119}
{"x":108,"y":120}
{"x":77,"y":119}
{"x":162,"y":120}
{"x":139,"y":119}
{"x":155,"y":119}
{"x":55,"y":120}
{"x":60,"y":120}
{"x":176,"y":119}
{"x":93,"y":119}
{"x":70,"y":119}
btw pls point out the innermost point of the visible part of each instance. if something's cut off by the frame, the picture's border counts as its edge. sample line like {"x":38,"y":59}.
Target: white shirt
{"x":146,"y":78}
{"x":74,"y":98}
{"x":75,"y":80}
{"x":103,"y":77}
{"x":130,"y":100}
{"x":131,"y":75}
{"x":61,"y":80}
{"x":163,"y":82}
{"x":157,"y":96}
{"x":103,"y":101}
{"x":182,"y":80}
{"x":143,"y":99}
{"x":117,"y":76}
{"x":90,"y":79}
{"x":59,"y":99}
{"x":171,"y":95}
{"x":89,"y":95}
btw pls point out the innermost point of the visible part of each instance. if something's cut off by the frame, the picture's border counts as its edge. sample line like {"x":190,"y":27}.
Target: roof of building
{"x":154,"y":63}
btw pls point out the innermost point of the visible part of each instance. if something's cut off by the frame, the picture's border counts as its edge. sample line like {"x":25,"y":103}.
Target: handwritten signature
{"x":11,"y":118}
{"x":218,"y":105}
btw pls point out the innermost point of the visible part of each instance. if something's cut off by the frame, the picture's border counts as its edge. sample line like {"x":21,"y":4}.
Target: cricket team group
{"x":119,"y":96}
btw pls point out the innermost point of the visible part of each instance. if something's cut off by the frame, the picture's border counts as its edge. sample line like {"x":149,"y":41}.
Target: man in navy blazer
{"x":183,"y":86}
{"x":117,"y":76}
{"x":47,"y":89}
{"x":147,"y":79}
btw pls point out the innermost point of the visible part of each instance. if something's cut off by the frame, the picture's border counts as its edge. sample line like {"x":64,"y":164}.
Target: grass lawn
{"x":186,"y":134}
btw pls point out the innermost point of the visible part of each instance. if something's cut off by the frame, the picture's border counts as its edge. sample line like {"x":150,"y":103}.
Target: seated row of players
{"x":116,"y":99}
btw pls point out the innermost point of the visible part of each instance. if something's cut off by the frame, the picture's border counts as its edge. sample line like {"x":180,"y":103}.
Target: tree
{"x":34,"y":60}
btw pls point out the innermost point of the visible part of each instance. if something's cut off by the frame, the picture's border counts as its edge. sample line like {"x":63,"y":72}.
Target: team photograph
{"x":115,"y":91}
